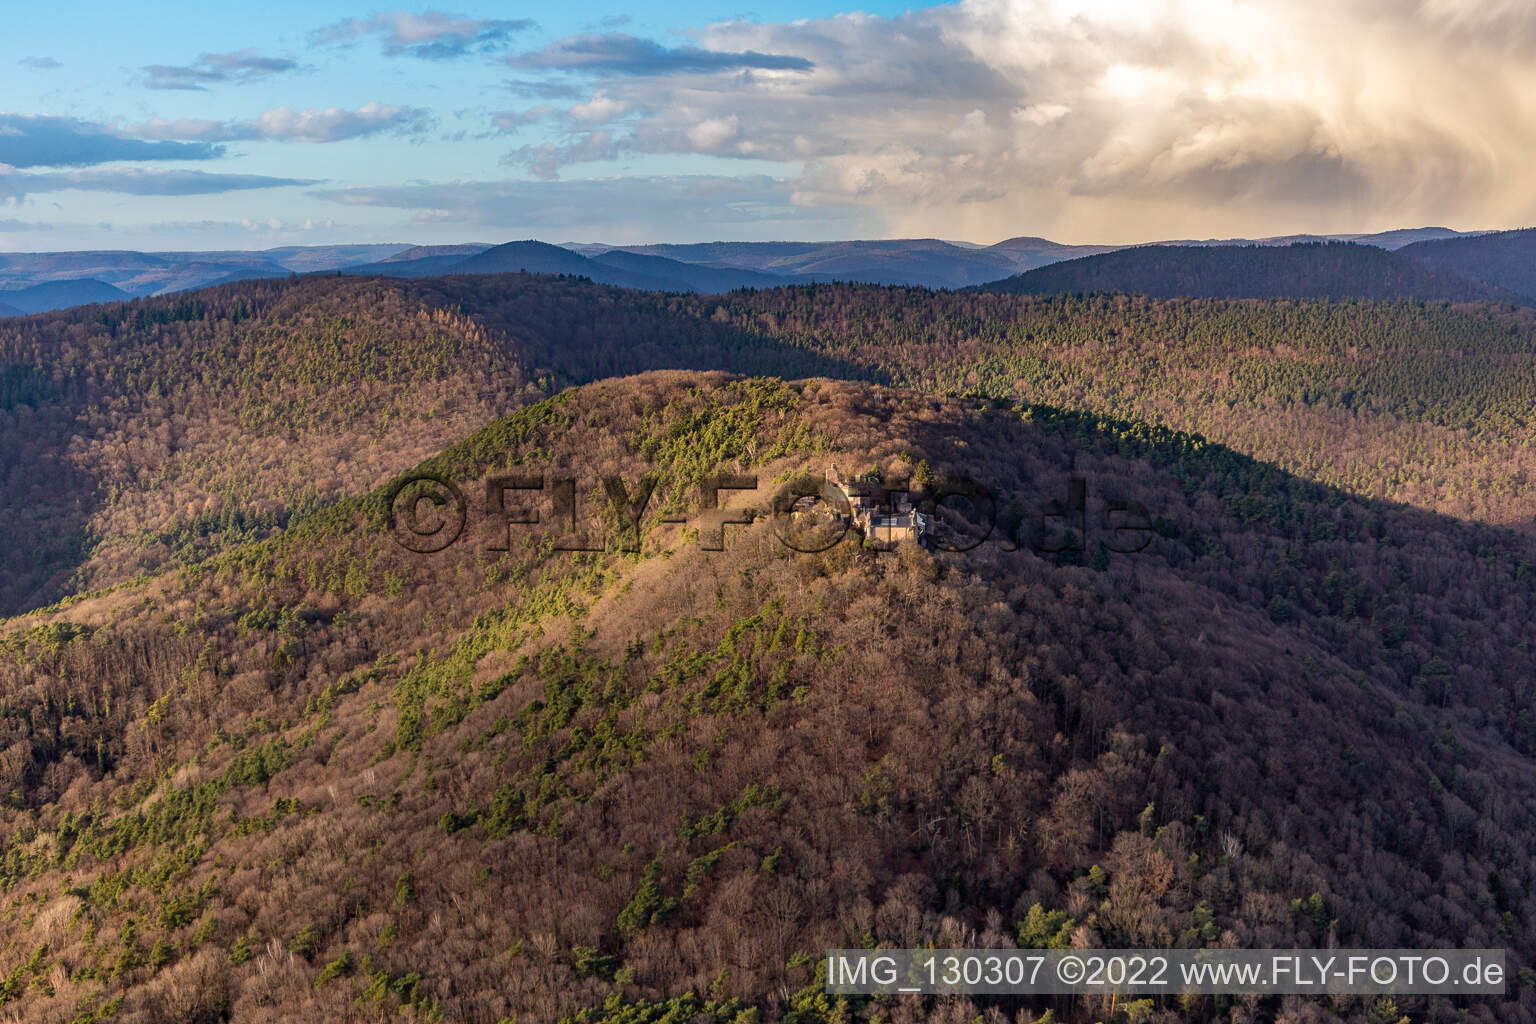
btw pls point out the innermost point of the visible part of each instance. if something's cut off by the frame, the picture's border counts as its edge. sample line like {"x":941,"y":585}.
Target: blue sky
{"x":202,"y":126}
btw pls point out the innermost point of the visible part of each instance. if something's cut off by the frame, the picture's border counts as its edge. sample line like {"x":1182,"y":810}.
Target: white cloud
{"x":1042,"y":114}
{"x":600,"y":109}
{"x":715,"y":134}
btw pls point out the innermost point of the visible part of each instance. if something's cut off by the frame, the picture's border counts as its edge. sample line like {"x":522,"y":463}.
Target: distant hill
{"x":1029,"y":252}
{"x":1504,"y":258}
{"x":422,"y":266}
{"x":177,"y":276}
{"x":606,"y":266}
{"x":6,"y":310}
{"x":709,"y":267}
{"x":921,"y":261}
{"x":39,"y":298}
{"x":933,"y":263}
{"x":137,"y":273}
{"x":691,"y":276}
{"x":305,"y":258}
{"x":1382,"y":239}
{"x":1331,"y":270}
{"x":1404,"y":236}
{"x":616,"y":266}
{"x":156,"y":273}
{"x":423,"y":252}
{"x":918,"y":261}
{"x":529,"y":255}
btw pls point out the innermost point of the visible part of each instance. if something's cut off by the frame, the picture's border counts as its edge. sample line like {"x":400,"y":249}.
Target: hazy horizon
{"x":958,"y":242}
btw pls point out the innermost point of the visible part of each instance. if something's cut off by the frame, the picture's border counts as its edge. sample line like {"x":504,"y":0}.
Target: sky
{"x":196,"y":126}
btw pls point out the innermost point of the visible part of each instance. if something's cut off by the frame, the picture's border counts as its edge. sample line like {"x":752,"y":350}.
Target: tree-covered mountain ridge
{"x":1316,"y":270}
{"x":155,"y":432}
{"x":320,"y":776}
{"x":58,"y":280}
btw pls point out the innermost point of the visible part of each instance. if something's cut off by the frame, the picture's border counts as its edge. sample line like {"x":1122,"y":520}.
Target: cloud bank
{"x":1092,"y":118}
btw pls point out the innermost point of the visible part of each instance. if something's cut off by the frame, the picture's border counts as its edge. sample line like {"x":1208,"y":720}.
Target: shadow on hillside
{"x":45,"y":508}
{"x":581,"y":332}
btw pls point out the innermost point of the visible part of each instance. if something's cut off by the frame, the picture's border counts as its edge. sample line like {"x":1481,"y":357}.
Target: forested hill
{"x":321,"y":777}
{"x":1327,"y":270}
{"x":1504,"y":258}
{"x":38,"y":298}
{"x":156,"y":432}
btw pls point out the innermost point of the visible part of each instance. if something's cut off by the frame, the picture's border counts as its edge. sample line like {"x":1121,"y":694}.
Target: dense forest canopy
{"x":1506,"y":259}
{"x":319,"y":776}
{"x":262,"y":762}
{"x":1317,"y":270}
